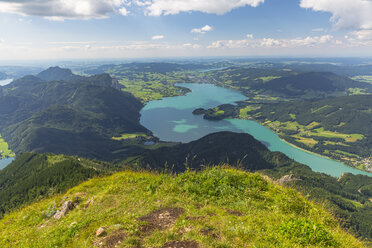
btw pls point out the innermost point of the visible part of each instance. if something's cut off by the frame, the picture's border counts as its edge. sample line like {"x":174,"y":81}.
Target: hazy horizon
{"x":131,"y":29}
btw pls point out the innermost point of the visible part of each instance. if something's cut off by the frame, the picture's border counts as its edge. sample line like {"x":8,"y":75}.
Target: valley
{"x":309,"y":135}
{"x":186,"y":124}
{"x":109,"y":131}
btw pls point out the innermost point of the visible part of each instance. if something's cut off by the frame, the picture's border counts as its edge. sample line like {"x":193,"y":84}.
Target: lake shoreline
{"x":170,"y":119}
{"x":303,"y":149}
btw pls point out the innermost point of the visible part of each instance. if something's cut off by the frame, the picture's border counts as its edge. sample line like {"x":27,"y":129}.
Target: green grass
{"x":217,"y":112}
{"x":357,"y":91}
{"x":4,"y":149}
{"x":149,"y":86}
{"x":130,"y":136}
{"x":307,"y":141}
{"x":329,"y":134}
{"x":366,"y":79}
{"x":244,"y":111}
{"x":269,"y":78}
{"x":265,"y":98}
{"x":220,"y":208}
{"x":312,"y":125}
{"x":148,"y":91}
{"x":345,"y":153}
{"x":309,"y":131}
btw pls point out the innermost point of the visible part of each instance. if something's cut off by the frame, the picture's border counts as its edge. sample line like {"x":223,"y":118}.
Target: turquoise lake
{"x":171,"y":119}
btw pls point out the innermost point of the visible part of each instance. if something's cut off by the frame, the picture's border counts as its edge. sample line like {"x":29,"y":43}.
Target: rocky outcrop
{"x":66,"y":207}
{"x":286,"y":179}
{"x":100,"y":232}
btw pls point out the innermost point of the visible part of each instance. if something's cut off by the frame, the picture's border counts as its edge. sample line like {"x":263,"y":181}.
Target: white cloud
{"x":250,"y":36}
{"x":360,"y":35}
{"x":269,"y":42}
{"x":194,"y":46}
{"x":62,"y":9}
{"x":172,"y":7}
{"x":310,"y":41}
{"x":355,"y":14}
{"x":202,"y":30}
{"x":157,"y":37}
{"x":59,"y":10}
{"x":123,"y":11}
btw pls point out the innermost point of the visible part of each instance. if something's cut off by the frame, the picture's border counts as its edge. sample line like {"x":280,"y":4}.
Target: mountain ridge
{"x":94,"y":106}
{"x":212,"y":208}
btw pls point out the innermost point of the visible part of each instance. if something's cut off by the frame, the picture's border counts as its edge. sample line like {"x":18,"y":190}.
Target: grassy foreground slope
{"x":213,"y":208}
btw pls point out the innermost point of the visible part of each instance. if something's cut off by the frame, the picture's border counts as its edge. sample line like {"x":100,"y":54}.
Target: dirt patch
{"x":209,"y":233}
{"x":160,"y":219}
{"x":111,"y":241}
{"x":195,"y":218}
{"x":234,"y":212}
{"x":181,"y":244}
{"x":198,"y":205}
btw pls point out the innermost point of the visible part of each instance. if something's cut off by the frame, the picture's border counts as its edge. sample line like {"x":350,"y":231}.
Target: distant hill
{"x":57,"y":74}
{"x":312,"y":85}
{"x":345,"y":70}
{"x":3,"y":75}
{"x":280,"y":83}
{"x":343,"y":115}
{"x":156,"y":67}
{"x":77,"y":117}
{"x":238,"y":149}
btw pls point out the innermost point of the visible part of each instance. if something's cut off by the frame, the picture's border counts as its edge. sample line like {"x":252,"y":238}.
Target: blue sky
{"x":81,"y":29}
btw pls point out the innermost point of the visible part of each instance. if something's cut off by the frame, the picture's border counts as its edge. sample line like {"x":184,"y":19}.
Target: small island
{"x":218,"y":113}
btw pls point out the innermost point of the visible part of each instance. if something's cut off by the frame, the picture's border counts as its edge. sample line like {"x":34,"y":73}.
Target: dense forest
{"x":312,"y":85}
{"x":72,"y":115}
{"x":337,"y":127}
{"x":284,"y":84}
{"x":33,"y":176}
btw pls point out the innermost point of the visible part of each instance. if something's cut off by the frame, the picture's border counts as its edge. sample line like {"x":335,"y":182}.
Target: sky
{"x":114,"y":29}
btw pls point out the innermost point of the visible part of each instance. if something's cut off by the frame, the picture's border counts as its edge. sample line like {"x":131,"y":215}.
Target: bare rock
{"x":286,"y":179}
{"x":66,"y":207}
{"x":100,"y":232}
{"x":89,"y":202}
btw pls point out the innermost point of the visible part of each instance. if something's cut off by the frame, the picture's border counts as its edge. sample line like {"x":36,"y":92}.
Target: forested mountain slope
{"x":78,"y":116}
{"x":339,"y":127}
{"x":313,"y":85}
